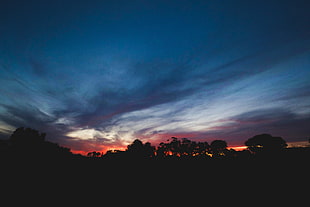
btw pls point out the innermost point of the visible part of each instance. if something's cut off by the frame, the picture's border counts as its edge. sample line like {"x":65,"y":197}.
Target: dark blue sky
{"x":96,"y":75}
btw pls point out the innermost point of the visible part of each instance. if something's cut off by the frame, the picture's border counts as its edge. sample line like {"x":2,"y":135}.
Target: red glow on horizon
{"x":238,"y":148}
{"x":81,"y":152}
{"x":85,"y":147}
{"x":103,"y":150}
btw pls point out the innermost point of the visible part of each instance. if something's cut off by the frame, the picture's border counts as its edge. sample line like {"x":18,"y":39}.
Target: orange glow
{"x":239,"y":148}
{"x":82,"y":152}
{"x":103,"y":150}
{"x":116,"y":149}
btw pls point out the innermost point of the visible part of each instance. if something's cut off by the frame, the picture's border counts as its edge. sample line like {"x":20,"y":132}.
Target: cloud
{"x":164,"y":99}
{"x":26,"y":114}
{"x":264,"y":116}
{"x":158,"y":83}
{"x":276,"y":121}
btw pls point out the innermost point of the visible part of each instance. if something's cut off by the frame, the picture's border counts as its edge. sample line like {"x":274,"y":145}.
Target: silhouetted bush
{"x":138,"y":149}
{"x":218,"y":147}
{"x":265,"y":143}
{"x":27,"y":143}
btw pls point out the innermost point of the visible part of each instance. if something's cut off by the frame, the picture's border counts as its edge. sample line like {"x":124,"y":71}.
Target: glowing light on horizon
{"x":239,"y":148}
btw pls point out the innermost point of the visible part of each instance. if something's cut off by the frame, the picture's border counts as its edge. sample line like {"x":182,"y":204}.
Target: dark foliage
{"x":139,"y":150}
{"x":265,"y":143}
{"x":183,"y":148}
{"x":26,"y":143}
{"x":219,"y":147}
{"x":94,"y":154}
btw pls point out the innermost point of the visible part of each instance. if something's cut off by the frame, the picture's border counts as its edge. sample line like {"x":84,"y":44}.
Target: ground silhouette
{"x":173,"y":168}
{"x":30,"y":145}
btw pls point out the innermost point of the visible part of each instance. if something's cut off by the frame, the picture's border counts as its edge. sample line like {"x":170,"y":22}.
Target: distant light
{"x":239,"y":148}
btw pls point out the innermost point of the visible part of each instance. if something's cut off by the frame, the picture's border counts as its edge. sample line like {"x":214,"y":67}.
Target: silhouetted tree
{"x":135,"y":147}
{"x":162,"y":150}
{"x":192,"y":148}
{"x":203,"y":148}
{"x":183,"y":148}
{"x":27,"y":136}
{"x":93,"y":154}
{"x":149,"y":150}
{"x":265,"y":143}
{"x":175,"y":146}
{"x":218,"y":147}
{"x":187,"y":147}
{"x":27,"y":142}
{"x":172,"y":148}
{"x":138,"y":149}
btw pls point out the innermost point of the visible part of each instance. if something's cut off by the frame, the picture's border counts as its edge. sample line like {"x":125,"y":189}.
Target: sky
{"x":96,"y":75}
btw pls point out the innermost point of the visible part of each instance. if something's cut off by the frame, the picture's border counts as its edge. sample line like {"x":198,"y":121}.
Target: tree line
{"x":30,"y":143}
{"x":263,"y":144}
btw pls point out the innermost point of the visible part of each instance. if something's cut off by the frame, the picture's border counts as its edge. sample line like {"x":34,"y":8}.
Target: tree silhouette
{"x":94,"y":154}
{"x":202,"y":149}
{"x":138,"y":149}
{"x":162,"y":150}
{"x":27,"y":136}
{"x":183,"y":148}
{"x":30,"y":144}
{"x":265,"y":143}
{"x":149,"y":150}
{"x":172,"y":148}
{"x":175,"y":146}
{"x":27,"y":142}
{"x":218,"y":147}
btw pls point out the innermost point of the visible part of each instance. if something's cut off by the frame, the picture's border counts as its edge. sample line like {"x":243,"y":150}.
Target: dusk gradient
{"x":96,"y":75}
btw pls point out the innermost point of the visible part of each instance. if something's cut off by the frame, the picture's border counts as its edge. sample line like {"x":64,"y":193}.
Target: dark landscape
{"x":132,"y":102}
{"x":29,"y":145}
{"x":31,"y":165}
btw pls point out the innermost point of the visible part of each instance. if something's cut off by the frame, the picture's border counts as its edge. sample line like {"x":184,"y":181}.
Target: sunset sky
{"x":95,"y":75}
